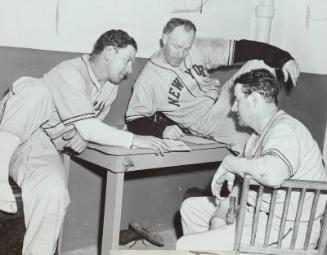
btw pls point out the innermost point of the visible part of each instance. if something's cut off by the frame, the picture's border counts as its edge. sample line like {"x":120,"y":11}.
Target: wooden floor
{"x":134,"y":248}
{"x":170,"y":252}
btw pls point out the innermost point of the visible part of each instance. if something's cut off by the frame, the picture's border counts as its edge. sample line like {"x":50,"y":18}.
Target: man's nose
{"x":129,"y":68}
{"x":234,"y":107}
{"x":180,"y":53}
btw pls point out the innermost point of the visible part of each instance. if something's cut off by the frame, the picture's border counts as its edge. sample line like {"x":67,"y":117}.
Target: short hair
{"x":117,"y":38}
{"x":262,"y":81}
{"x":176,"y":22}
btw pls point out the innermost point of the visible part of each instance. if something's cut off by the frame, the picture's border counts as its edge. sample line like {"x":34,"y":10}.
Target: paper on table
{"x":196,"y":139}
{"x":176,"y":145}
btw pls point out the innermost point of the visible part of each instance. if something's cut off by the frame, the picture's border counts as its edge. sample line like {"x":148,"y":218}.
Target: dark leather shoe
{"x":153,"y":238}
{"x":128,"y":235}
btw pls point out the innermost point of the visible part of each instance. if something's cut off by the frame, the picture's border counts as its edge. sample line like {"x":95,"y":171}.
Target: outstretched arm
{"x":94,"y":130}
{"x":275,"y":57}
{"x":220,"y":52}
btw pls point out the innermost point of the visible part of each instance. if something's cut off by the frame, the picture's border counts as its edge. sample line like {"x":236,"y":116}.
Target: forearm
{"x":268,"y":170}
{"x":94,"y":130}
{"x":153,"y":125}
{"x":273,"y":56}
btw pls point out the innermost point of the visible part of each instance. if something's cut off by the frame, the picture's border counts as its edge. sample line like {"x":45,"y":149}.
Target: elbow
{"x":272,"y":181}
{"x":274,"y":184}
{"x":85,"y":135}
{"x":84,"y":131}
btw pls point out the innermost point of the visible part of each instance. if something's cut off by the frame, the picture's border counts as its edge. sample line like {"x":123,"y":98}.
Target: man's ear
{"x":256,"y":98}
{"x":109,"y":51}
{"x":164,"y":39}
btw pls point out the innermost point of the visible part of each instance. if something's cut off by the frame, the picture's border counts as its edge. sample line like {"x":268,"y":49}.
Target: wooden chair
{"x":303,"y":186}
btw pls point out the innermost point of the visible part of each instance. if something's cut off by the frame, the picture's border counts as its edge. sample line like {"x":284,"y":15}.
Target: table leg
{"x":112,"y":212}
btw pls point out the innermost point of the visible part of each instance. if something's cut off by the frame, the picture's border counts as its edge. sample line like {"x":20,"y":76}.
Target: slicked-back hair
{"x":262,"y":81}
{"x":117,"y":38}
{"x":176,"y":22}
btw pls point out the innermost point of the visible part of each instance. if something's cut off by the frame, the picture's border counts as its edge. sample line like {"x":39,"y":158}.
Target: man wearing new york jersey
{"x":175,"y":82}
{"x":39,"y":118}
{"x":280,"y":148}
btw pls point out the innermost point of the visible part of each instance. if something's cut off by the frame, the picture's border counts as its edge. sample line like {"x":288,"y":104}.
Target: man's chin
{"x":175,"y":63}
{"x":119,"y":80}
{"x":241,"y":123}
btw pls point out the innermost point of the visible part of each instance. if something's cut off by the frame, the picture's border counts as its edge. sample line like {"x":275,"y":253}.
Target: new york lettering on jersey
{"x":176,"y":87}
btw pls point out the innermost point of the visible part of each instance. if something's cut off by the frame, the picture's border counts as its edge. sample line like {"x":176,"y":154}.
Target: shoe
{"x":128,"y":235}
{"x":153,"y":238}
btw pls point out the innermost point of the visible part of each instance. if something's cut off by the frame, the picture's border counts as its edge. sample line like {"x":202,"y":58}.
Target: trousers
{"x":36,"y":165}
{"x":197,"y":211}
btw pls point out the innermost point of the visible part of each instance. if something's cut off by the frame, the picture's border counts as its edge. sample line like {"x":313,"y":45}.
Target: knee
{"x":186,"y":206}
{"x":39,"y":92}
{"x":191,"y":205}
{"x":180,"y":244}
{"x":183,"y":243}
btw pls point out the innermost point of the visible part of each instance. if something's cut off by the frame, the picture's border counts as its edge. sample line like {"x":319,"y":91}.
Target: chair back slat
{"x":311,"y":219}
{"x":302,"y":190}
{"x":256,"y":216}
{"x":284,"y":217}
{"x":304,"y":184}
{"x":297,"y":218}
{"x":270,"y":218}
{"x":241,"y":213}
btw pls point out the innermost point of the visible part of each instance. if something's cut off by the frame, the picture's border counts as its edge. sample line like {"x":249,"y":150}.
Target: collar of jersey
{"x":92,"y":76}
{"x":155,"y":61}
{"x":261,"y":137}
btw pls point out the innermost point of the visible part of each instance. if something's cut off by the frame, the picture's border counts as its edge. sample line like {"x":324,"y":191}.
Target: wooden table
{"x":119,"y":160}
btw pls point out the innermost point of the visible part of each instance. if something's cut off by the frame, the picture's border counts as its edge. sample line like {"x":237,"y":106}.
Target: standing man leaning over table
{"x":63,"y":109}
{"x":176,"y":82}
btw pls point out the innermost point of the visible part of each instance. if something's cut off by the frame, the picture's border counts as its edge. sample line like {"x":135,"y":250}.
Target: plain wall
{"x":73,"y":25}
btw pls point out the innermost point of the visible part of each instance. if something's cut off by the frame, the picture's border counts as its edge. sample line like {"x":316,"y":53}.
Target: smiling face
{"x":243,"y":106}
{"x":176,"y":45}
{"x":119,"y":63}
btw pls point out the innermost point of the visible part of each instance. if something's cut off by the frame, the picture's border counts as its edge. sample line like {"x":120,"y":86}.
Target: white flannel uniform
{"x":41,"y":112}
{"x":284,"y":139}
{"x":187,"y":95}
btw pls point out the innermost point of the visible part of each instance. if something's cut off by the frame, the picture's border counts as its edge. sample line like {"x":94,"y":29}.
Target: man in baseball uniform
{"x":176,"y":82}
{"x":63,"y":109}
{"x":280,"y":148}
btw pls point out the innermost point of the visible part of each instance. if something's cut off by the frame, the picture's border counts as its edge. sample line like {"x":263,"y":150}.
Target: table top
{"x":118,"y":159}
{"x":119,"y":151}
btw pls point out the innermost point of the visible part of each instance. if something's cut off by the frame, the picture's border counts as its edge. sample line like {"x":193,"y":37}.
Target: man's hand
{"x":291,"y":70}
{"x":219,"y":178}
{"x":150,"y":142}
{"x":77,"y":143}
{"x":172,"y":132}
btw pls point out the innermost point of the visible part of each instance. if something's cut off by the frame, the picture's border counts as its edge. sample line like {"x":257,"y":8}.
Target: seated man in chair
{"x":280,"y":148}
